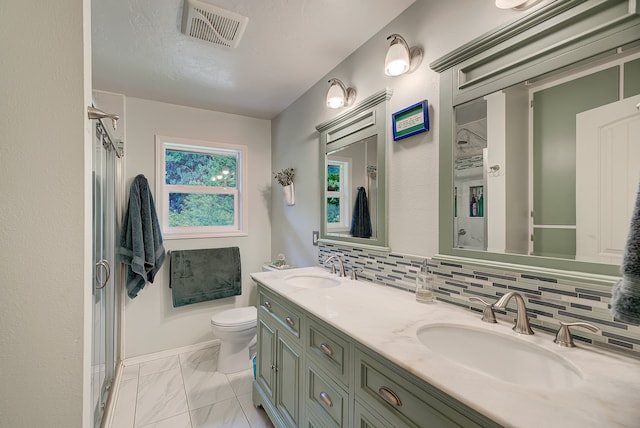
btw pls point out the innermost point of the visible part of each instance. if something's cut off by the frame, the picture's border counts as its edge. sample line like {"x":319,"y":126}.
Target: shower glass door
{"x":105,"y":179}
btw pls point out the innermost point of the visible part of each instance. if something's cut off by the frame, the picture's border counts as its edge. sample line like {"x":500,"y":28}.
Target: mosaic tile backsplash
{"x":549,"y":298}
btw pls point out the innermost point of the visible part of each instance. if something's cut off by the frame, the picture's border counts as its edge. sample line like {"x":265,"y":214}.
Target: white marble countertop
{"x":386,"y":320}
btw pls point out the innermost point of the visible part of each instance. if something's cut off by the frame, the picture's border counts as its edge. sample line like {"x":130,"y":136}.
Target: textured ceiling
{"x":139,"y":50}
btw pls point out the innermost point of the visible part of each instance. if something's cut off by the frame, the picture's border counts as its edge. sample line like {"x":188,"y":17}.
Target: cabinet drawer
{"x":284,"y":314}
{"x":328,"y":350}
{"x":365,"y":418}
{"x":400,"y":401}
{"x":327,"y":399}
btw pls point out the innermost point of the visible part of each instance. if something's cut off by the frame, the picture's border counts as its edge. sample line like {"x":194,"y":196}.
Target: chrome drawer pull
{"x":389,"y":396}
{"x":326,"y":349}
{"x":290,"y":321}
{"x":267,"y":305}
{"x":326,"y":399}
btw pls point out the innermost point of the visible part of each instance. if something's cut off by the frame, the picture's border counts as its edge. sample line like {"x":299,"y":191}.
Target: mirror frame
{"x":364,"y":120}
{"x":554,"y":36}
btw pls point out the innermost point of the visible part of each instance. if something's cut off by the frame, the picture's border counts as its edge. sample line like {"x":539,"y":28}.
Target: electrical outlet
{"x":316,"y":236}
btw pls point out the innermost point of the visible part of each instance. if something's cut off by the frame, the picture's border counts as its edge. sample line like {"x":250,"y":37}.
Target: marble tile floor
{"x":186,"y":391}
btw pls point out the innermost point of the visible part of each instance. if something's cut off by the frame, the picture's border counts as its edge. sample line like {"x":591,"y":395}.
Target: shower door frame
{"x":107,"y":170}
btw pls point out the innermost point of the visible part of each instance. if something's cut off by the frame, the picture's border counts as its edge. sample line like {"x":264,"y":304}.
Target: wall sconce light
{"x":515,"y":4}
{"x":339,"y":95}
{"x":494,"y":171}
{"x":400,"y":58}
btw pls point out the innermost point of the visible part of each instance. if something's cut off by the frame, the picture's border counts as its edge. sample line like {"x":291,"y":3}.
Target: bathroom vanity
{"x":337,"y":352}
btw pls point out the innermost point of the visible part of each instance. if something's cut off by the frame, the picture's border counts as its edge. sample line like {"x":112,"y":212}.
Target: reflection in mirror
{"x":351,"y":190}
{"x":550,"y":167}
{"x":470,"y":147}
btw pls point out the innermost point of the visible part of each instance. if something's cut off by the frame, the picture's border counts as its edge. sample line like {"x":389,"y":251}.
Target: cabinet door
{"x":265,"y":369}
{"x":288,"y":380}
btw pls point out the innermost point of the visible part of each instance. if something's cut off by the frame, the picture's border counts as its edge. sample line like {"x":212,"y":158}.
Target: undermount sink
{"x":311,"y":281}
{"x":500,"y":356}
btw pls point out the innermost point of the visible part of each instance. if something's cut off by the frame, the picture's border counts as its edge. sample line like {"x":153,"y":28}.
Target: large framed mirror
{"x":539,"y":161}
{"x":353,"y":156}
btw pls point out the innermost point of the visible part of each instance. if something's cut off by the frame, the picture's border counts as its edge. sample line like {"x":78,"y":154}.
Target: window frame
{"x":343,"y":195}
{"x":241,"y":205}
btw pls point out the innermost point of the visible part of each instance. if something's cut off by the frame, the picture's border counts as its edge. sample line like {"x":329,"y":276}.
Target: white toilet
{"x":236,"y":328}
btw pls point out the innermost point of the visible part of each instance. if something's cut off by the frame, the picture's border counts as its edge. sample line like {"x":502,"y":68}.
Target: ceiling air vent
{"x":210,"y":23}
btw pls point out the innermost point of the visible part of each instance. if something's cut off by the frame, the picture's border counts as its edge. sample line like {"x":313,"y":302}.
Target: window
{"x":199,"y":188}
{"x":337,"y":204}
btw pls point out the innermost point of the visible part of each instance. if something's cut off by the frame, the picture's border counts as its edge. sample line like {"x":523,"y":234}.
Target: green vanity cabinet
{"x":278,"y":386}
{"x":310,"y":374}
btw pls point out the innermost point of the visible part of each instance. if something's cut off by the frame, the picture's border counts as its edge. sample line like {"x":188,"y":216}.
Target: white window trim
{"x":162,"y":190}
{"x":345,"y":181}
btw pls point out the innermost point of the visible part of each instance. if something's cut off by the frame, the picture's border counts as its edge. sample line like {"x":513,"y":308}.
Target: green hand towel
{"x":201,"y":275}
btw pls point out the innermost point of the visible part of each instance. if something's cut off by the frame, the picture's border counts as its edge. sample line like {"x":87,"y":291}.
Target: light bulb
{"x":335,"y":96}
{"x":397,"y":59}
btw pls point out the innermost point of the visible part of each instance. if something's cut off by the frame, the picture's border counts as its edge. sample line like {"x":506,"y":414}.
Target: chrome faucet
{"x":342,"y":272}
{"x":522,"y":320}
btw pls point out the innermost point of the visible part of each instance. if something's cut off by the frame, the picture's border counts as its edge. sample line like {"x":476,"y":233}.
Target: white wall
{"x":438,"y":27}
{"x":44,"y":183}
{"x":151,"y":324}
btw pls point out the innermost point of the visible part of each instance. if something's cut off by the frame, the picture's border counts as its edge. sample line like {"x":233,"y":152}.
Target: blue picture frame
{"x":410,"y":121}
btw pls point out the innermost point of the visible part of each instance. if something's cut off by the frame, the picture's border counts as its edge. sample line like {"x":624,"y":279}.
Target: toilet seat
{"x":238,"y":317}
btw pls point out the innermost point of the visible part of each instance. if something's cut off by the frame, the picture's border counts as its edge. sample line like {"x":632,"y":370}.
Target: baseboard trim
{"x":169,"y":352}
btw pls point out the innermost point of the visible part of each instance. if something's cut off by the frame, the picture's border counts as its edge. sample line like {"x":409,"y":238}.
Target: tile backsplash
{"x":549,"y":298}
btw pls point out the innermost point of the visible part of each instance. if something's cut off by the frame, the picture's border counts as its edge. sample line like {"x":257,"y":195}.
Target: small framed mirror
{"x":353,"y":156}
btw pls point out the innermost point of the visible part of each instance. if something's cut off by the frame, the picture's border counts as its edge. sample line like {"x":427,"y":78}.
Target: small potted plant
{"x":285,"y":179}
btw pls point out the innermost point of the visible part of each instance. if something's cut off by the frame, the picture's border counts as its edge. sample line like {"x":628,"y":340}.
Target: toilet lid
{"x":237,"y":317}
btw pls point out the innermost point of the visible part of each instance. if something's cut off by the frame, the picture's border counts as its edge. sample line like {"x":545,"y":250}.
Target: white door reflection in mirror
{"x":607,"y":176}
